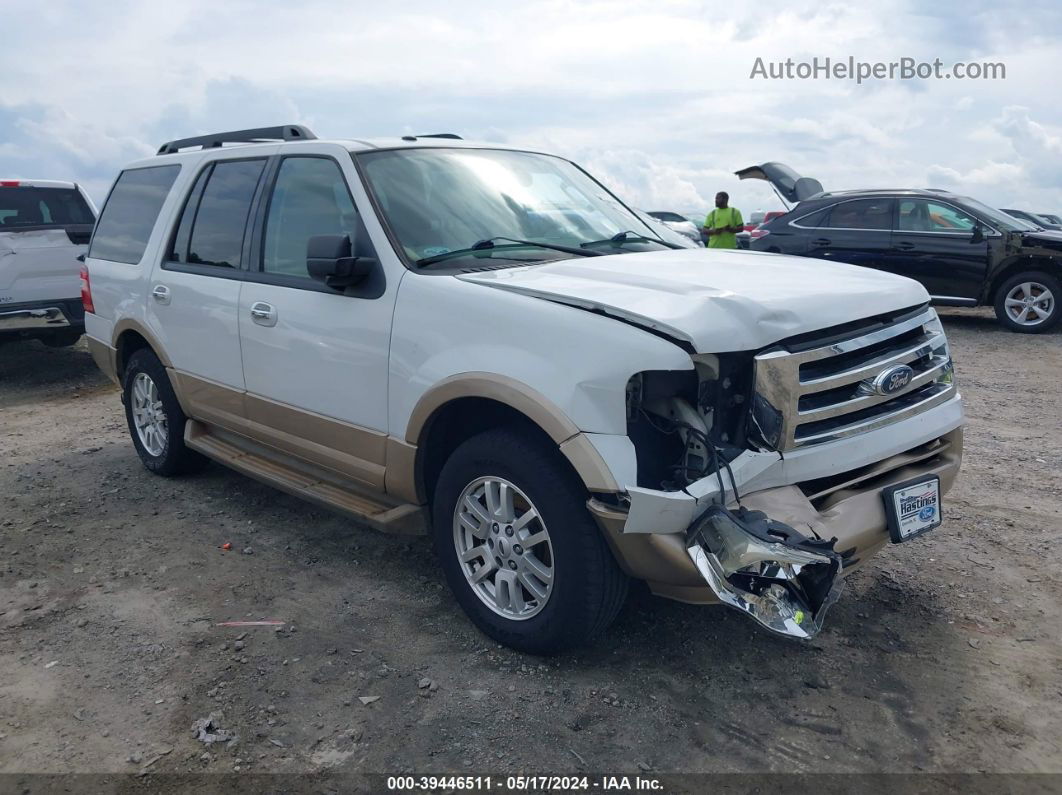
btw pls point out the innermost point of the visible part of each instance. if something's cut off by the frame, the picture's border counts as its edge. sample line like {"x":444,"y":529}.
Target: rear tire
{"x":63,"y":339}
{"x":1028,"y":302}
{"x":156,"y":422}
{"x":551,"y":581}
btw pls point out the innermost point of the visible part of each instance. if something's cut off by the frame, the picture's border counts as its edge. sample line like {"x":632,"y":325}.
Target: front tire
{"x":1028,"y":303}
{"x":519,"y":549}
{"x":156,"y":422}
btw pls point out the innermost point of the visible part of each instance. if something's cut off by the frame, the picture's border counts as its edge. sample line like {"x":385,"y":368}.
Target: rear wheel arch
{"x":129,"y":337}
{"x":128,"y":343}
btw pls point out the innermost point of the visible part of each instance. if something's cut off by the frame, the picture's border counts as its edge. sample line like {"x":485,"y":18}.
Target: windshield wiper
{"x":489,"y":244}
{"x":628,"y":236}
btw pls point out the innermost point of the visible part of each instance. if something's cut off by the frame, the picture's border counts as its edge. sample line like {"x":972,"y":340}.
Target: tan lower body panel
{"x":302,"y":479}
{"x":105,"y":356}
{"x":854,"y":515}
{"x":350,"y":451}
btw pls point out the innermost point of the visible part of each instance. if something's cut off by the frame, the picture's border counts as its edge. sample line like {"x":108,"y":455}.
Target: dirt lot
{"x":943,"y":657}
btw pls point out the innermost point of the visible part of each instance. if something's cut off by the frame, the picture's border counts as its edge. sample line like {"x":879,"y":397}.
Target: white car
{"x":486,"y":345}
{"x":680,"y":224}
{"x":44,"y":228}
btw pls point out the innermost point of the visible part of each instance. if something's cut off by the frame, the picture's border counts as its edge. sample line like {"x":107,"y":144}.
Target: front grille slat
{"x":825,"y":393}
{"x":925,"y":346}
{"x":863,"y":401}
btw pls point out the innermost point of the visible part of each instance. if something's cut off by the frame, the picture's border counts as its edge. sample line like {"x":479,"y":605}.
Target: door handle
{"x":161,"y":293}
{"x":263,"y":314}
{"x":904,"y":245}
{"x":821,"y":241}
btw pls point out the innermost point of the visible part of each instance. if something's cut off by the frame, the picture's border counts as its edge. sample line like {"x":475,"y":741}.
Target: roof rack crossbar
{"x":286,"y":132}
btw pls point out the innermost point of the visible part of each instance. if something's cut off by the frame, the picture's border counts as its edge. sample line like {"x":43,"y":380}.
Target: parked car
{"x":1034,"y":219}
{"x":755,"y":218}
{"x":1051,"y":218}
{"x":678,"y":223}
{"x":746,"y":236}
{"x":963,"y":252}
{"x":44,"y":229}
{"x":487,"y":345}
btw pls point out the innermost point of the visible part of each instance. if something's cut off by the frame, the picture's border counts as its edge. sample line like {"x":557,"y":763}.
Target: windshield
{"x":437,"y":201}
{"x":1000,"y":218}
{"x":25,"y":206}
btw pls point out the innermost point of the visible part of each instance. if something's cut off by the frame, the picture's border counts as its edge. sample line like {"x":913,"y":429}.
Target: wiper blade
{"x":628,"y":236}
{"x":489,"y":244}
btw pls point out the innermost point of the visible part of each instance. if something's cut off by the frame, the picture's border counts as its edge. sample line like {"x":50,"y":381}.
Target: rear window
{"x":26,"y":207}
{"x":874,"y":214}
{"x":130,"y":213}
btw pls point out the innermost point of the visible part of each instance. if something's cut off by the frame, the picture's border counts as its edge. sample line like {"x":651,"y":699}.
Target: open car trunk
{"x":788,"y":184}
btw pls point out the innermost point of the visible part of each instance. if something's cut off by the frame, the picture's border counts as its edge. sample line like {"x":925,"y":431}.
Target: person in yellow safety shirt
{"x":722,"y":224}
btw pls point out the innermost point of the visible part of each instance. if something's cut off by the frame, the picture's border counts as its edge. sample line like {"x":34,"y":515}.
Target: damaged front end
{"x":766,"y":569}
{"x":690,"y":426}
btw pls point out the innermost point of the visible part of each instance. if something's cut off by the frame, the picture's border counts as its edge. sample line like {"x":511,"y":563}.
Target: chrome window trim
{"x":841,"y":228}
{"x":990,"y":231}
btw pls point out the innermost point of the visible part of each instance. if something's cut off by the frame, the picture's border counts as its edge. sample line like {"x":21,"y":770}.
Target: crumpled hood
{"x":718,"y":301}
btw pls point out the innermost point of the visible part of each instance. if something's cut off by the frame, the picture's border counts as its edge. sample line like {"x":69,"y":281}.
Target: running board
{"x":305,"y":480}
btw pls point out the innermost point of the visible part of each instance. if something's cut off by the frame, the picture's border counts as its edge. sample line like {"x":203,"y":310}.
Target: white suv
{"x":487,"y":345}
{"x":44,"y":230}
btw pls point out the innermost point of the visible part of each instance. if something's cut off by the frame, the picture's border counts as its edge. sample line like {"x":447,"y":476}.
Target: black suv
{"x":963,"y":252}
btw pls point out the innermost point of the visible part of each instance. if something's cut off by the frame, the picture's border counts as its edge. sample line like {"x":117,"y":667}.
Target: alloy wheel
{"x":1029,"y":303}
{"x":149,"y":417}
{"x":503,"y":548}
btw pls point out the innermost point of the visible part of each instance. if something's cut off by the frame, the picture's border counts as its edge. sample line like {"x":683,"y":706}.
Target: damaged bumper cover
{"x":783,"y":580}
{"x":701,"y":561}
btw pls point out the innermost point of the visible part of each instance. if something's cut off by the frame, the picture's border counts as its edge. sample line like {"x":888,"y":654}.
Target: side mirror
{"x":978,"y":235}
{"x":330,"y":259}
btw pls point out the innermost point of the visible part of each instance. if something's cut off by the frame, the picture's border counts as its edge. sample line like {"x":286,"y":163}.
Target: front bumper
{"x":846,"y":506}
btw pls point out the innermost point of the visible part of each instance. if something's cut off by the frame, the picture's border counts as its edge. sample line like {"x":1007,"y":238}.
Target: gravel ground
{"x":942,"y":656}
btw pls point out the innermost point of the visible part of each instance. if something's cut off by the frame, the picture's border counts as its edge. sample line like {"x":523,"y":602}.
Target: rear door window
{"x":26,"y":207}
{"x":131,"y":212}
{"x":862,"y":214}
{"x":220,"y":218}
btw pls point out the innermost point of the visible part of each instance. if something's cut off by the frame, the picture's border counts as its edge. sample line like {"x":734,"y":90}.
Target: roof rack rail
{"x":287,"y":132}
{"x":452,"y":136}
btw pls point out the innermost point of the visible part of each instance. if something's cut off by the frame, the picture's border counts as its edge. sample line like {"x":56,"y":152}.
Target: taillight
{"x":9,"y":183}
{"x":756,"y":234}
{"x":86,"y":290}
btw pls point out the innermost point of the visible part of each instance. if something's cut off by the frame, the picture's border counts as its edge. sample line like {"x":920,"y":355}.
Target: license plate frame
{"x":907,"y":523}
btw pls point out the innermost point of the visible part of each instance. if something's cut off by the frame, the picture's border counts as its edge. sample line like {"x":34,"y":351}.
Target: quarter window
{"x":131,"y":212}
{"x":221,"y":217}
{"x":310,"y":198}
{"x":862,"y":214}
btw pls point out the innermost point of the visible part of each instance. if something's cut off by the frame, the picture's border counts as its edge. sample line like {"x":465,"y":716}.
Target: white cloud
{"x":653,"y":94}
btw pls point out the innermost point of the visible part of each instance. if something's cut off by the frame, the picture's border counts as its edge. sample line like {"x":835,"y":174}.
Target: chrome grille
{"x":810,"y":394}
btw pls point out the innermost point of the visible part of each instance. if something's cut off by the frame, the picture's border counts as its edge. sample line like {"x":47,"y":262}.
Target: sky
{"x":654,"y":97}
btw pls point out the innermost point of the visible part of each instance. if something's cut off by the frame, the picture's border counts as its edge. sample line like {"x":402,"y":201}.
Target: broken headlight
{"x":766,"y":569}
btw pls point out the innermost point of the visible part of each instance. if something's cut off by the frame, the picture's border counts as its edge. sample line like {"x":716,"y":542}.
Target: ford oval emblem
{"x":894,"y":379}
